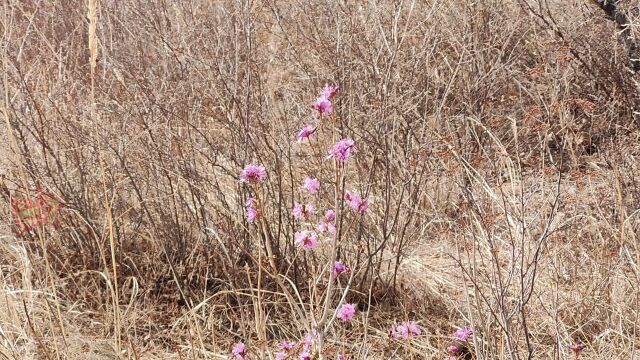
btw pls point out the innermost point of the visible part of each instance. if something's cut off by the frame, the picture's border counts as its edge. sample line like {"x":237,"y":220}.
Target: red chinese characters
{"x":32,"y":213}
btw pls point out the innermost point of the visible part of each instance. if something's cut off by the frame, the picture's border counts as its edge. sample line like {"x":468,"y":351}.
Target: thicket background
{"x":498,"y":144}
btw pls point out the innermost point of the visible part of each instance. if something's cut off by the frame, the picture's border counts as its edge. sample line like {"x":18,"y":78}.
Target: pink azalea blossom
{"x":251,"y":211}
{"x":346,"y":312}
{"x":356,"y":202}
{"x":303,"y":211}
{"x":400,"y":332}
{"x":463,"y":334}
{"x":577,"y":348}
{"x":306,"y":132}
{"x":308,"y":340}
{"x":306,"y":239}
{"x":323,"y":106}
{"x":343,"y":149}
{"x":253,"y":173}
{"x":330,"y":91}
{"x":239,"y":351}
{"x":326,"y":227}
{"x":405,"y":330}
{"x":340,"y":268}
{"x":311,"y":185}
{"x":287,"y":345}
{"x":413,"y":328}
{"x":330,"y":215}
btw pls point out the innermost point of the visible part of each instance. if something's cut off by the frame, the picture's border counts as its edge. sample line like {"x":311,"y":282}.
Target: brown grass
{"x":497,"y":142}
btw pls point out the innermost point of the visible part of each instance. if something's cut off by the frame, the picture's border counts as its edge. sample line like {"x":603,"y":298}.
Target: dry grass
{"x":497,"y":143}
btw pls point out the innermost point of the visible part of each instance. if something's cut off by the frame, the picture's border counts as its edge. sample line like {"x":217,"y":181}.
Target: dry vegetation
{"x":497,"y":143}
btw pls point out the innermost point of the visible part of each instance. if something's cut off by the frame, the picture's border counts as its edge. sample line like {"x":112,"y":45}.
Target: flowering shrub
{"x":327,"y":222}
{"x":326,"y":240}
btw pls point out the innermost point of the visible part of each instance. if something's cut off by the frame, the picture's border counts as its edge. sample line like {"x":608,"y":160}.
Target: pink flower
{"x":253,"y":173}
{"x":305,"y":355}
{"x":330,"y":91}
{"x":463,"y":334}
{"x":303,"y":211}
{"x":239,"y":351}
{"x":346,"y":312}
{"x":343,"y":357}
{"x":326,"y":227}
{"x":413,"y":328}
{"x":308,"y":340}
{"x":453,"y":349}
{"x":281,"y":355}
{"x":330,"y":215}
{"x":343,"y":149}
{"x":306,"y":239}
{"x":251,"y":211}
{"x":577,"y":348}
{"x":287,"y":345}
{"x":340,"y":268}
{"x":311,"y":185}
{"x":405,"y":330}
{"x":356,"y":202}
{"x":323,"y":106}
{"x":400,"y":332}
{"x":306,"y":132}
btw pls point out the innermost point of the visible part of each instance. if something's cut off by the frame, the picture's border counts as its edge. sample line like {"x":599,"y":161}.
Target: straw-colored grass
{"x":497,"y":145}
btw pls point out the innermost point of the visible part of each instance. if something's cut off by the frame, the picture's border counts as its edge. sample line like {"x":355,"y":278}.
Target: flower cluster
{"x":306,"y":239}
{"x":340,"y":268}
{"x":463,"y":334}
{"x":253,"y":173}
{"x":342,"y":150}
{"x":323,"y":105}
{"x":307,"y":344}
{"x":346,"y":312}
{"x":239,"y":351}
{"x":356,"y":202}
{"x":301,"y":211}
{"x":306,"y":132}
{"x":312,"y":185}
{"x":406,"y":330}
{"x":286,"y":348}
{"x":327,"y":225}
{"x":461,"y":345}
{"x":305,"y":211}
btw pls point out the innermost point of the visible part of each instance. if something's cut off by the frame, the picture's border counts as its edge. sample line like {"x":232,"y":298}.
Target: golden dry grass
{"x":497,"y":142}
